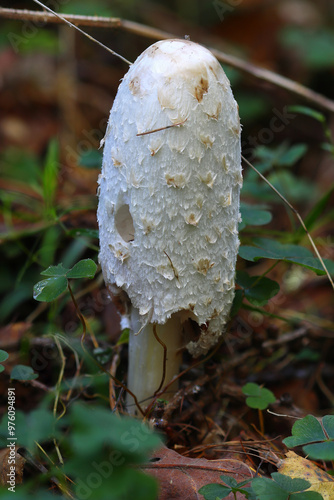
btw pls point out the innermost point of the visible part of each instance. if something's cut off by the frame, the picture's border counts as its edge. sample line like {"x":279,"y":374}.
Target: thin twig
{"x":162,"y":128}
{"x":83,"y":322}
{"x":157,"y":34}
{"x":176,"y":274}
{"x":47,"y":17}
{"x":285,"y":338}
{"x":298,"y":217}
{"x":164,"y":361}
{"x":60,"y":378}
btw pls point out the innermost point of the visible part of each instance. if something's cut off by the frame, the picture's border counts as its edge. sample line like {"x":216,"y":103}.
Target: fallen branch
{"x":157,"y":34}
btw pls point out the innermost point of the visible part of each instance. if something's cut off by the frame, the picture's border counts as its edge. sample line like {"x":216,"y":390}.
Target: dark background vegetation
{"x":57,"y":88}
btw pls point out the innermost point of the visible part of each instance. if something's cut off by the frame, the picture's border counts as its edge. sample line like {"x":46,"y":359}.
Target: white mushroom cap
{"x":169,"y":200}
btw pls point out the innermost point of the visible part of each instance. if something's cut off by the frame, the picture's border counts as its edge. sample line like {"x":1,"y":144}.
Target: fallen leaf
{"x":299,"y":467}
{"x":181,"y":477}
{"x":9,"y":459}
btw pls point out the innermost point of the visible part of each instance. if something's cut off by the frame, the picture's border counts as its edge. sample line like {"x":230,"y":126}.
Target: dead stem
{"x":164,"y":361}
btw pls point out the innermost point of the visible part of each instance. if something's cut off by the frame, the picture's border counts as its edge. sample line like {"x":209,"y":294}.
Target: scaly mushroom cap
{"x":169,"y":200}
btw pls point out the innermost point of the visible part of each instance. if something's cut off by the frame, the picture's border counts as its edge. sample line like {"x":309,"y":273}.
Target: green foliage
{"x":276,"y":162}
{"x":3,"y":357}
{"x":313,"y":46}
{"x":36,"y":426}
{"x":312,"y":113}
{"x":314,"y":216}
{"x":124,"y":338}
{"x":25,"y":494}
{"x":280,"y":156}
{"x":12,"y":160}
{"x":38,"y":40}
{"x":272,"y":249}
{"x":97,"y":426}
{"x":49,"y":289}
{"x":251,"y":107}
{"x":282,"y":487}
{"x":84,"y":269}
{"x":258,"y":397}
{"x":320,"y":117}
{"x":214,"y":491}
{"x":32,"y":234}
{"x":41,"y":179}
{"x":22,"y":372}
{"x":257,"y":289}
{"x":101,"y":8}
{"x":49,"y":179}
{"x":237,"y":302}
{"x":103,"y":354}
{"x":91,"y":159}
{"x":310,"y":430}
{"x":90,"y":233}
{"x":253,"y":215}
{"x":101,"y":449}
{"x":308,"y":355}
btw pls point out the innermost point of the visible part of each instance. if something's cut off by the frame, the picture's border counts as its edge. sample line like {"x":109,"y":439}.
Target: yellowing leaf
{"x":296,"y":466}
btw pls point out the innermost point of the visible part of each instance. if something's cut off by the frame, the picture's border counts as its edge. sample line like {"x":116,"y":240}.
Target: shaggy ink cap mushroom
{"x":169,"y":199}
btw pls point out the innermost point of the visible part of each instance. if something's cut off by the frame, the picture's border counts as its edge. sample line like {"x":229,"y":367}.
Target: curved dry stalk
{"x":157,"y":34}
{"x":298,"y":217}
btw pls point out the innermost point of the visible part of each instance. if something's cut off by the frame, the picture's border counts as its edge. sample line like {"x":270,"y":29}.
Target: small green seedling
{"x":57,"y":281}
{"x":282,"y":487}
{"x":23,"y":372}
{"x":3,"y":357}
{"x":311,"y":430}
{"x":259,"y":398}
{"x":216,"y":491}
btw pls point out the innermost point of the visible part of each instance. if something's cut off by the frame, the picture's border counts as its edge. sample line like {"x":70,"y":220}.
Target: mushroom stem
{"x":149,"y":367}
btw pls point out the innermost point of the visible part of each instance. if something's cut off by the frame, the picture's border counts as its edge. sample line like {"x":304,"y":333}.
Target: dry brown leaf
{"x":10,"y":335}
{"x":296,"y":466}
{"x":180,"y":477}
{"x":10,"y":459}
